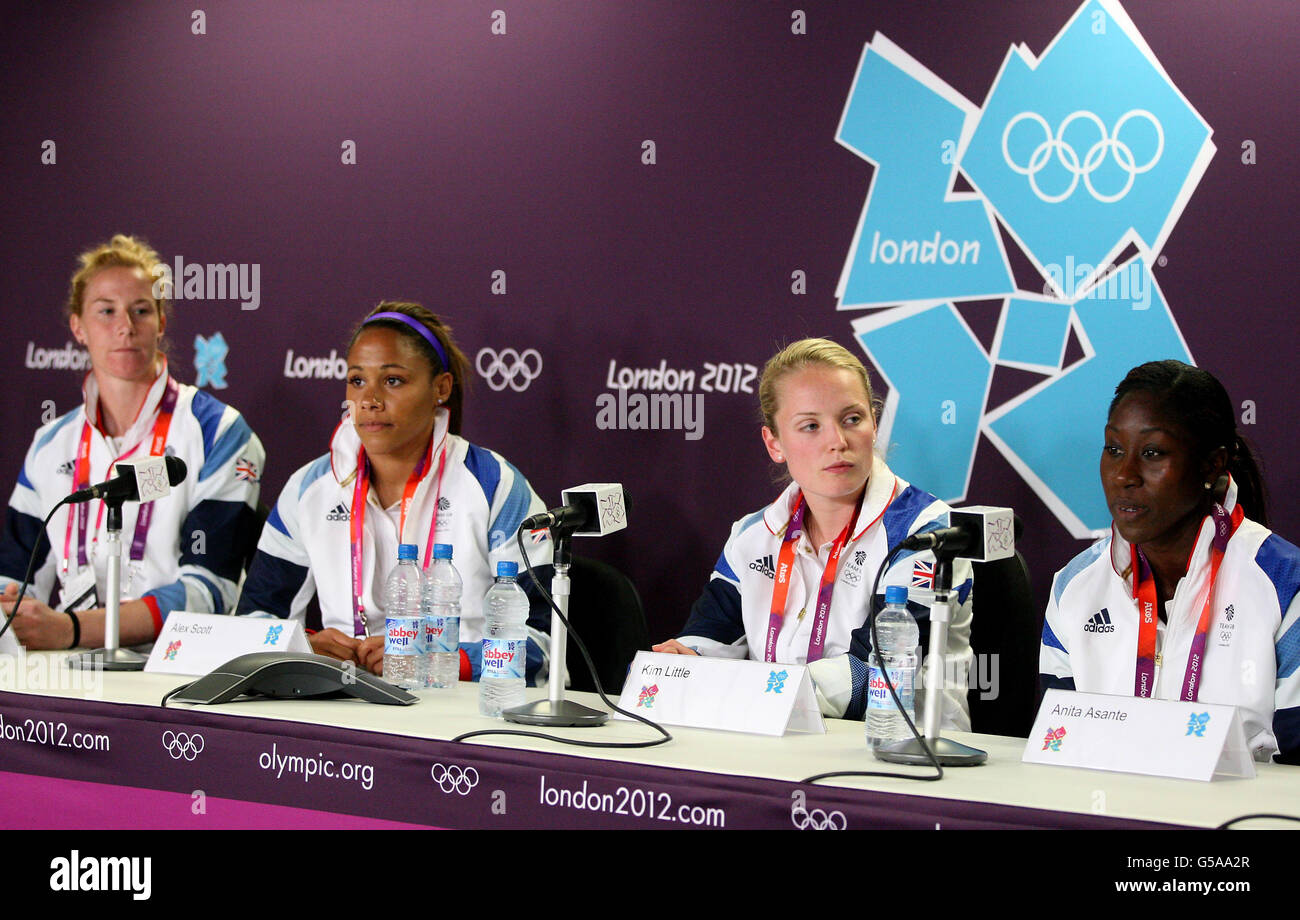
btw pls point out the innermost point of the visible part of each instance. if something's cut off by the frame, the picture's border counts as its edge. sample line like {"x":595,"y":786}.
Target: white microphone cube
{"x":996,"y":527}
{"x":150,"y":477}
{"x":607,"y":499}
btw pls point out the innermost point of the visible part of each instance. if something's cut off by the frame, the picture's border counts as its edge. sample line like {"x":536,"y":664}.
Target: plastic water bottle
{"x":440,"y":615}
{"x":505,"y":643}
{"x":898,"y":635}
{"x":402,"y":638}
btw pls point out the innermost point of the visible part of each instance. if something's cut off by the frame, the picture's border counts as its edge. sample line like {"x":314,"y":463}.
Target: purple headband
{"x":418,"y":327}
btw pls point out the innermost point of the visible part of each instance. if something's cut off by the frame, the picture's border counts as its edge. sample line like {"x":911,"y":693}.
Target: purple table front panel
{"x":416,"y":781}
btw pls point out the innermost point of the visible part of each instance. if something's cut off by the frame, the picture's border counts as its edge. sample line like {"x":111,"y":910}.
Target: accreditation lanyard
{"x":1144,"y":593}
{"x":81,"y":479}
{"x":781,"y":588}
{"x":357,"y":523}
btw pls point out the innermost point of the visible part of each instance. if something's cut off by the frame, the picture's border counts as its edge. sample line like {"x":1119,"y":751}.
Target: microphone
{"x":594,"y":509}
{"x":136,"y":481}
{"x":979,"y":533}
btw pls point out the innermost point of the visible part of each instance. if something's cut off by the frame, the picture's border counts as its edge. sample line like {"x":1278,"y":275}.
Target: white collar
{"x":144,"y":418}
{"x":1121,"y":551}
{"x":882,"y":486}
{"x":345,"y":444}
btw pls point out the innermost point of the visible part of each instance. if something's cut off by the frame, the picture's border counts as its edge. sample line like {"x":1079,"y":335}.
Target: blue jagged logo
{"x":1085,"y":154}
{"x":210,"y":361}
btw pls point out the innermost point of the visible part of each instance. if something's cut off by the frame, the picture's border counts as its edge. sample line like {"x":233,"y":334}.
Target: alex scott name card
{"x":195,"y":643}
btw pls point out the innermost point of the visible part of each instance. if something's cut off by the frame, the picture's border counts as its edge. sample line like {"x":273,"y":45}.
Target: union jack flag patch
{"x":923,"y":575}
{"x":246,"y":470}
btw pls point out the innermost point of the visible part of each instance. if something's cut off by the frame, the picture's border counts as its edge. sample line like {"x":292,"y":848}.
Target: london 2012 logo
{"x":172,"y":649}
{"x":1084,"y":154}
{"x":210,"y":361}
{"x":1052,"y":742}
{"x":646,"y":698}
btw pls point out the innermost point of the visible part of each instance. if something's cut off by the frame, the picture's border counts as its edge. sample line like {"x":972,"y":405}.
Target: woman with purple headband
{"x":397,"y":472}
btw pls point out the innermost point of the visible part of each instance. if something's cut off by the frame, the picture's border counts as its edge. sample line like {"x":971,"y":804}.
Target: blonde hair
{"x":807,"y":353}
{"x":121,"y":251}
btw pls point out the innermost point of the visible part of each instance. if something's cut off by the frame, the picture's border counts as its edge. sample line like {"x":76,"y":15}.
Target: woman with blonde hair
{"x":793,"y":583}
{"x":181,"y":552}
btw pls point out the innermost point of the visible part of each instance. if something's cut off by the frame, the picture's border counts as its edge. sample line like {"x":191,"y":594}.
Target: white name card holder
{"x":196,"y":643}
{"x":722,"y":693}
{"x":1128,"y":734}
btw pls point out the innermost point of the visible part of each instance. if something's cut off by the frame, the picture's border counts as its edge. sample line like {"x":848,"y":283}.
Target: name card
{"x":737,"y":696}
{"x":197,"y":643}
{"x":1129,"y":734}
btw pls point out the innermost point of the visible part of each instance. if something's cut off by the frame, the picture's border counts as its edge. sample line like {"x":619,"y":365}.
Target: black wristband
{"x":76,"y":629}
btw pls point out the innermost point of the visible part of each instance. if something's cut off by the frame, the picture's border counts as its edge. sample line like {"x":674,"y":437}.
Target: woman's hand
{"x":673,"y":647}
{"x":37,"y":626}
{"x":370,"y":655}
{"x":335,"y":644}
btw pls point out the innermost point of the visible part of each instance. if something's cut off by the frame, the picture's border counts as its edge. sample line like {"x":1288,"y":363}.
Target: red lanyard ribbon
{"x":781,"y":588}
{"x":1144,"y":593}
{"x":357,"y":517}
{"x":81,"y":479}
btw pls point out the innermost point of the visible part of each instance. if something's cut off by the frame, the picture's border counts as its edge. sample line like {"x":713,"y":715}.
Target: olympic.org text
{"x":51,"y":734}
{"x":307,"y":767}
{"x":637,"y":803}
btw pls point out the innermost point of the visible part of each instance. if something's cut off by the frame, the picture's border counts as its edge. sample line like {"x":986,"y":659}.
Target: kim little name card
{"x":196,"y":643}
{"x":1129,"y":734}
{"x":722,"y":693}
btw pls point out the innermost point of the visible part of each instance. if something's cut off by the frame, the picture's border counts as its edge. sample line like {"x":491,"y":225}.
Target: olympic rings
{"x":1096,"y":155}
{"x":817,"y":819}
{"x":508,"y":368}
{"x":454,"y":778}
{"x":182,"y":744}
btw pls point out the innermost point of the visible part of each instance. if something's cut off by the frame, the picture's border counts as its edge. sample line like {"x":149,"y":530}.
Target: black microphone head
{"x":176,"y":470}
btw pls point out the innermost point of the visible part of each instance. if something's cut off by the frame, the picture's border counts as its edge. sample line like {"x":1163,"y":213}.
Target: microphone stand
{"x":555,"y":709}
{"x":948,"y":753}
{"x":111,"y":657}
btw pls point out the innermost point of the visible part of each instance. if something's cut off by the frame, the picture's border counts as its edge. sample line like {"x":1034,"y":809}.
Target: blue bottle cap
{"x":442,"y":551}
{"x":507,"y":569}
{"x":408,"y":551}
{"x":896,"y":594}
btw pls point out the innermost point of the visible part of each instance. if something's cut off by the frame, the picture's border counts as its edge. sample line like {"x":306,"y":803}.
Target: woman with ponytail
{"x":1190,"y":597}
{"x":397,"y":472}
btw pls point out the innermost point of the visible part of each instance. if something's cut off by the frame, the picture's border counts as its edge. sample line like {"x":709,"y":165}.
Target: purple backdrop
{"x":522,"y":153}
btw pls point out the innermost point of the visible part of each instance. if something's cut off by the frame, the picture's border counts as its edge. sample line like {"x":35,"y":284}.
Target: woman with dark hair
{"x":1191,"y":597}
{"x":397,"y":472}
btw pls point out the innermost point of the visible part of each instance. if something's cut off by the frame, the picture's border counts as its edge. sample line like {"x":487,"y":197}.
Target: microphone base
{"x":948,"y":753}
{"x":561,"y":713}
{"x":108,"y":659}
